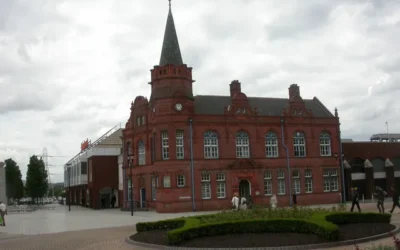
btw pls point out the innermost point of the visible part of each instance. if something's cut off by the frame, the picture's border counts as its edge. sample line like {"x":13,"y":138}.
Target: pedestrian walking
{"x":380,"y":195}
{"x":395,"y":198}
{"x":3,"y":213}
{"x":356,"y":197}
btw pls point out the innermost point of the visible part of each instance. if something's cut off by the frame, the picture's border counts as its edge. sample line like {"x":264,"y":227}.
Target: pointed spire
{"x":170,"y":54}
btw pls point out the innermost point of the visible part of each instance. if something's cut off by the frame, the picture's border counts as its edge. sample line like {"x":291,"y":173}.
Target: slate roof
{"x":170,"y":53}
{"x":215,"y":105}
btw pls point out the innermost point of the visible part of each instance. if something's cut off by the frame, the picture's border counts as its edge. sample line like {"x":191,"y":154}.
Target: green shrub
{"x":160,"y":225}
{"x":192,"y":230}
{"x":349,"y":217}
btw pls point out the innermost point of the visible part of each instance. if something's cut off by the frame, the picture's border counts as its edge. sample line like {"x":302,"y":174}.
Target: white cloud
{"x":69,"y":69}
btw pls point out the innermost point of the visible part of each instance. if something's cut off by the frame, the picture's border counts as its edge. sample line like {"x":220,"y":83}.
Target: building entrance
{"x":244,"y":188}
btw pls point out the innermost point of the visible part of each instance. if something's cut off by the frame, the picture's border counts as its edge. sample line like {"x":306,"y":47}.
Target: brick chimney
{"x":235,"y":88}
{"x":294,"y":90}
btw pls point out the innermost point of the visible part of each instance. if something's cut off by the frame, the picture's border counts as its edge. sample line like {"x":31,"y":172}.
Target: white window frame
{"x":299,"y":144}
{"x":268,"y":183}
{"x":141,"y":153}
{"x":281,"y":182}
{"x":325,"y":144}
{"x":164,"y":145}
{"x":205,"y":186}
{"x":296,"y":182}
{"x":308,"y":181}
{"x":166,"y":181}
{"x":180,"y":149}
{"x":211,"y":145}
{"x":242,"y":145}
{"x":154,"y":185}
{"x":180,"y":180}
{"x":221,"y":185}
{"x":271,"y":145}
{"x":331,"y":180}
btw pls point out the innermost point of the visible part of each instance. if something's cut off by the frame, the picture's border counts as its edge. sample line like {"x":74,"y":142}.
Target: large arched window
{"x":299,"y":144}
{"x":210,"y":145}
{"x":271,"y":145}
{"x":141,"y":153}
{"x":242,"y":145}
{"x":325,"y":144}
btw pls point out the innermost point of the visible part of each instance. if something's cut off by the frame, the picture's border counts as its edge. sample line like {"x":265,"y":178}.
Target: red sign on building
{"x":85,"y":144}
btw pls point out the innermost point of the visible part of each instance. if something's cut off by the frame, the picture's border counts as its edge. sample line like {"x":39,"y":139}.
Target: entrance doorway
{"x":244,"y":188}
{"x":142,"y":197}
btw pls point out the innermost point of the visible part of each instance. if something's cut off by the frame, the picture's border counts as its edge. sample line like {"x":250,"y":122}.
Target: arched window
{"x":242,"y":145}
{"x":325,"y":144}
{"x":141,"y":153}
{"x":271,"y":145}
{"x":299,"y":144}
{"x":210,"y":145}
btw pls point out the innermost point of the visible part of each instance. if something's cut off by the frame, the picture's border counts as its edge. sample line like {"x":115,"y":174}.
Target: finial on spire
{"x":169,"y":3}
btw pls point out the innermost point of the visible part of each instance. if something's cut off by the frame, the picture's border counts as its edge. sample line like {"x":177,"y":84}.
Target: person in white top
{"x":235,"y":202}
{"x":273,"y":201}
{"x":3,"y":212}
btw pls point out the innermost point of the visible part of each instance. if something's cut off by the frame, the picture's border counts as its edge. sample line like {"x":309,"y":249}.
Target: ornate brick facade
{"x":186,"y":152}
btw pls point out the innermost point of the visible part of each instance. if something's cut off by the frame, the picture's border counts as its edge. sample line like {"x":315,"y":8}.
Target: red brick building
{"x":370,"y":164}
{"x":191,"y":152}
{"x":94,"y":173}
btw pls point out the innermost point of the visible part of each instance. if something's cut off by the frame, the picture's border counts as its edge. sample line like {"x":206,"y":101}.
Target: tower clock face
{"x":178,"y":107}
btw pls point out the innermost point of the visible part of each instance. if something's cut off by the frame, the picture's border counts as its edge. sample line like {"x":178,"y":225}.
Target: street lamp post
{"x":130,"y":163}
{"x":69,"y":186}
{"x":340,"y":156}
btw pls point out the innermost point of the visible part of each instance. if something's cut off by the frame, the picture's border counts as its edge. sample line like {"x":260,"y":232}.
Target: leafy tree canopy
{"x":36,"y":178}
{"x":14,"y":184}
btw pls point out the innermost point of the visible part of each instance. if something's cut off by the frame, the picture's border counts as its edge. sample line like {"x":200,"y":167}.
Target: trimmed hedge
{"x":321,"y":223}
{"x":193,"y":230}
{"x":160,"y":225}
{"x":350,"y":217}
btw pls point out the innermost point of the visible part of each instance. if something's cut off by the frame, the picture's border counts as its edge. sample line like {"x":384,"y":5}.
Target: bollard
{"x":363,"y":198}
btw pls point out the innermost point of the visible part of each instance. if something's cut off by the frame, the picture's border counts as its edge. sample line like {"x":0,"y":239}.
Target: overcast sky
{"x":70,"y":69}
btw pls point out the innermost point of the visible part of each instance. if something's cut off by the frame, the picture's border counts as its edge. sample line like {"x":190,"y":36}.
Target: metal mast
{"x":46,"y":164}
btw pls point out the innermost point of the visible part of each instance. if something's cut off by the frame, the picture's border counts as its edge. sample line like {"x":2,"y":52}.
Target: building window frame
{"x":164,"y":145}
{"x":308,"y":181}
{"x":180,"y":149}
{"x":141,"y":153}
{"x":242,"y":145}
{"x":281,"y":182}
{"x":211,"y":150}
{"x":325,"y":144}
{"x":206,"y":186}
{"x":221,"y":185}
{"x":268,"y":189}
{"x":299,"y":144}
{"x":331,"y":180}
{"x":166,"y":181}
{"x":154,"y":186}
{"x":180,"y":180}
{"x":296,"y":181}
{"x":271,"y":145}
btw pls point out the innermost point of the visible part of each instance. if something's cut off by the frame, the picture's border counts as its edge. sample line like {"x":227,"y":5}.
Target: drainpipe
{"x":287,"y":162}
{"x":192,"y":163}
{"x":341,"y":165}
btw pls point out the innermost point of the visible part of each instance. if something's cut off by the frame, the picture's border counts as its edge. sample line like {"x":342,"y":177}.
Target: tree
{"x":14,"y":184}
{"x":36,"y":178}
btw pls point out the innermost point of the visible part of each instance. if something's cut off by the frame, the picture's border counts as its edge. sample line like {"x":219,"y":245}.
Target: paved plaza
{"x":84,"y":229}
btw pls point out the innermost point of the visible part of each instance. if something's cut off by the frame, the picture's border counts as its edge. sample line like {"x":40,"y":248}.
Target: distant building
{"x":96,"y":172}
{"x":385,"y":137}
{"x":374,"y":163}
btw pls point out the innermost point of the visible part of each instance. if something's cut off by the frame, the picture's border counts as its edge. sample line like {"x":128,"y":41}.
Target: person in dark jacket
{"x":356,"y":197}
{"x":380,"y":195}
{"x":395,"y":197}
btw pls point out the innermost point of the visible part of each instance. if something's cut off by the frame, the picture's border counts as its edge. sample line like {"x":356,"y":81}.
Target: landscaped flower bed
{"x":318,"y":224}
